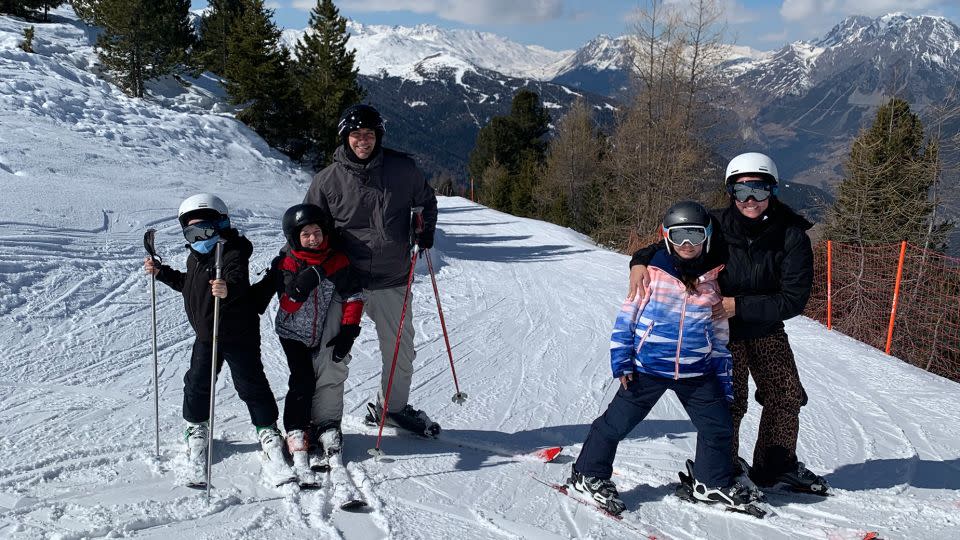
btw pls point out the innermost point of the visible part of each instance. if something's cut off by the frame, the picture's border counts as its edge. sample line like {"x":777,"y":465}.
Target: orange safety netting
{"x":862,"y":280}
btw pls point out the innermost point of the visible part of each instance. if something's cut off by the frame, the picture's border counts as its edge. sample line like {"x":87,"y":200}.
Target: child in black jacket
{"x":205,"y":222}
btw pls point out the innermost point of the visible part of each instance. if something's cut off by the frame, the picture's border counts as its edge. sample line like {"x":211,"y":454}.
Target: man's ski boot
{"x":602,"y":491}
{"x":195,"y":438}
{"x":298,"y":448}
{"x":408,"y":418}
{"x":802,"y":480}
{"x":275,"y":470}
{"x":736,"y":497}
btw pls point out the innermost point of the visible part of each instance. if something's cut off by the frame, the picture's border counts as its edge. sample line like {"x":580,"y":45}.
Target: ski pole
{"x":459,"y":397}
{"x":376,"y":452}
{"x":213,"y":366}
{"x":151,"y":250}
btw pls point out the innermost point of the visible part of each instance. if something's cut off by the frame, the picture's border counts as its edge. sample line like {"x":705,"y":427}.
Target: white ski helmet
{"x":201,"y":203}
{"x":752,"y":163}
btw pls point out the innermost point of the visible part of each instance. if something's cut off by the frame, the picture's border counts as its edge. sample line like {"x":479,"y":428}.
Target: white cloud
{"x":798,"y":10}
{"x":465,"y":11}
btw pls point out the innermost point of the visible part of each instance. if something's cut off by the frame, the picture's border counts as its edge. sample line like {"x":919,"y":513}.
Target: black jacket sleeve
{"x":796,"y":277}
{"x":346,"y":282}
{"x":645,"y":254}
{"x":263,"y":291}
{"x":235,"y":271}
{"x":170,"y":277}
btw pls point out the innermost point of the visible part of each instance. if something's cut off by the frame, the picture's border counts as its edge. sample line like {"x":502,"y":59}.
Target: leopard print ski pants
{"x":771,"y":362}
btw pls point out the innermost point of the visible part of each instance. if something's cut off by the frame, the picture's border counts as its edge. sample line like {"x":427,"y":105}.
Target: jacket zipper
{"x":643,"y":338}
{"x":676,"y":361}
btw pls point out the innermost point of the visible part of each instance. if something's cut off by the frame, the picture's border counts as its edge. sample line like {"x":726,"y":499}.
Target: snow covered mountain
{"x":398,"y":50}
{"x":436,"y":88}
{"x":84,"y":170}
{"x":808,"y":100}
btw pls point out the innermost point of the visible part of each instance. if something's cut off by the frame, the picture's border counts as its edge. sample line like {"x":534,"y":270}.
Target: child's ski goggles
{"x":198,"y":232}
{"x":760,"y":190}
{"x":687,"y":234}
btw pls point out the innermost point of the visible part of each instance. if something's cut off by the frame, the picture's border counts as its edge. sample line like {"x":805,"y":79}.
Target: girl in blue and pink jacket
{"x":667,"y":339}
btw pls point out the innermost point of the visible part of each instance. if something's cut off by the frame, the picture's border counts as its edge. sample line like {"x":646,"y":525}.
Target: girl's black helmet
{"x":298,"y":216}
{"x":686,"y":213}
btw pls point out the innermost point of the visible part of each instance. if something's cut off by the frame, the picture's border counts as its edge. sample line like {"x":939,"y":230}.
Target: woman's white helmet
{"x":752,"y":163}
{"x":201,"y":204}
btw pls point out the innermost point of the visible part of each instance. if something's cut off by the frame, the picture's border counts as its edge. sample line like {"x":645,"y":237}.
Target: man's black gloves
{"x":305,"y":282}
{"x":343,"y":342}
{"x":425,"y":239}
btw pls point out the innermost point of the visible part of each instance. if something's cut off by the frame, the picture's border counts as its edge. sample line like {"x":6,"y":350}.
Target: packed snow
{"x":84,"y":171}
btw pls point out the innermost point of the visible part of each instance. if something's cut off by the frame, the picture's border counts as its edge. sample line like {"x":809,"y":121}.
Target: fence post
{"x":829,"y":284}
{"x":471,"y":190}
{"x":896,"y":296}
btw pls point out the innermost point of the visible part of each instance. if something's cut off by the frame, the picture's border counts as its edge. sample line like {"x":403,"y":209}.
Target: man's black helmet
{"x":360,"y":116}
{"x":298,"y":216}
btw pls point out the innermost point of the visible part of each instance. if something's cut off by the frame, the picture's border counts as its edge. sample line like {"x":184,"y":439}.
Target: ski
{"x":545,"y":454}
{"x":787,"y":489}
{"x":346,"y":493}
{"x":564,"y":489}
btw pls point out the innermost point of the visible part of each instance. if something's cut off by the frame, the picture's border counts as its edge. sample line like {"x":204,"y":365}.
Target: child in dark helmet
{"x":664,"y":340}
{"x":205,"y":222}
{"x":321,"y":302}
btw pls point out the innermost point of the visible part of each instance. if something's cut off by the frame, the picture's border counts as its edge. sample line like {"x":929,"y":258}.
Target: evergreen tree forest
{"x":292,"y":101}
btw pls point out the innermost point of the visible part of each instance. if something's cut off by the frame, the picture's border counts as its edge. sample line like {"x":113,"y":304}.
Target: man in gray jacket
{"x":370,"y":191}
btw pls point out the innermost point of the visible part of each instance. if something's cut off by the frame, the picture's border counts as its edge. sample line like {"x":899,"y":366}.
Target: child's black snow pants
{"x":701,"y":397}
{"x":248,"y":379}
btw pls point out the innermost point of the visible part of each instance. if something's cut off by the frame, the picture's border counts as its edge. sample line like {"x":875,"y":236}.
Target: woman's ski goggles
{"x":687,"y":234}
{"x":760,"y":190}
{"x":203,"y":230}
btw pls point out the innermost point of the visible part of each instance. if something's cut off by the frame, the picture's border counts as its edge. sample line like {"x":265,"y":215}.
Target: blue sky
{"x":568,"y":24}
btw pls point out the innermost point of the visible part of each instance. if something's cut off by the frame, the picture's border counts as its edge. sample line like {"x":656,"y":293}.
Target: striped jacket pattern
{"x":670,"y":332}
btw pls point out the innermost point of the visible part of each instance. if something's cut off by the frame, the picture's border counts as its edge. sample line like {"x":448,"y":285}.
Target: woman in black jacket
{"x":766,"y":280}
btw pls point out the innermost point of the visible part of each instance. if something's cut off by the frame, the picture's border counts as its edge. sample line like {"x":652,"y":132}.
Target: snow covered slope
{"x":84,"y":171}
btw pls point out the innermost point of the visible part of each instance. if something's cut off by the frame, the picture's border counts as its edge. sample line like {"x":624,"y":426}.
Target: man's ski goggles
{"x":760,"y":190}
{"x":687,"y":234}
{"x":203,"y":230}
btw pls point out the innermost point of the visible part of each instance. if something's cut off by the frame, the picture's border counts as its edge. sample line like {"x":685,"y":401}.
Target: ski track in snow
{"x":529,"y":307}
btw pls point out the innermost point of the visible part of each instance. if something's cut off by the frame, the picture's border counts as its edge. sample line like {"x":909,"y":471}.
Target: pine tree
{"x":573,"y":168}
{"x":143,"y":39}
{"x":504,"y":138}
{"x":327,"y":77}
{"x":85,"y":9}
{"x":14,"y":7}
{"x":27,"y":44}
{"x":215,"y":25}
{"x":885,"y":196}
{"x":259,"y":78}
{"x":516,"y":143}
{"x":42,"y":5}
